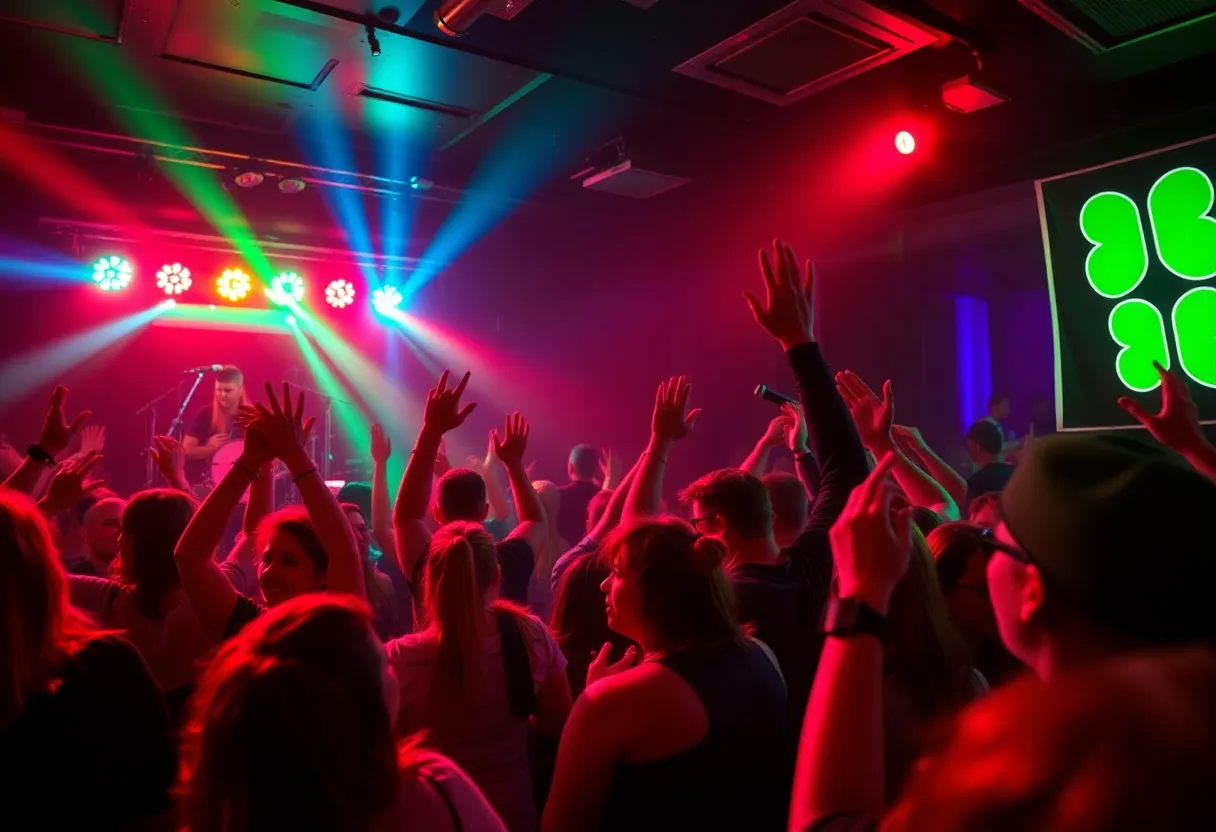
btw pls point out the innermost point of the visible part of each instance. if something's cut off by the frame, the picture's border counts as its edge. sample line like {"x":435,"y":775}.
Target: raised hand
{"x":777,"y":429}
{"x":70,"y":485}
{"x":872,"y":546}
{"x":443,"y":412}
{"x":513,"y":442}
{"x":57,"y":432}
{"x":92,"y":438}
{"x":788,"y":311}
{"x":609,"y":469}
{"x":874,"y":418}
{"x":601,"y":668}
{"x":796,"y":432}
{"x":1176,"y":425}
{"x":672,"y":420}
{"x":281,"y":430}
{"x":908,"y":435}
{"x":382,"y":446}
{"x":169,"y":457}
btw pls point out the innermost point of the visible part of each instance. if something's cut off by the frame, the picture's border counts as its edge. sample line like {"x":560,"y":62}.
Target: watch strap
{"x":39,"y":454}
{"x":848,"y":617}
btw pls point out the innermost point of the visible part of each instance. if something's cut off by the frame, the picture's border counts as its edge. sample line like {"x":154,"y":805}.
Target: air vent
{"x":1102,"y":25}
{"x":626,"y":180}
{"x":376,"y":94}
{"x":806,"y":47}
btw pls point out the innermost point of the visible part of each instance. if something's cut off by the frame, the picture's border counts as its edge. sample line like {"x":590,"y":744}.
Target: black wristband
{"x":304,"y":474}
{"x":38,"y":454}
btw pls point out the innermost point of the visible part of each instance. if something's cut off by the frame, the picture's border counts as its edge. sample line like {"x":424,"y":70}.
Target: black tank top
{"x":737,"y":778}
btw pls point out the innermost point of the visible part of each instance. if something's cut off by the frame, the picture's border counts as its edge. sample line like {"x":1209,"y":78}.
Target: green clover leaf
{"x":1185,"y":236}
{"x":1119,"y":259}
{"x":1195,"y":329}
{"x":1137,"y":326}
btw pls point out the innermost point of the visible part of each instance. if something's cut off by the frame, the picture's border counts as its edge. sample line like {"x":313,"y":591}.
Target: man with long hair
{"x":212,"y":426}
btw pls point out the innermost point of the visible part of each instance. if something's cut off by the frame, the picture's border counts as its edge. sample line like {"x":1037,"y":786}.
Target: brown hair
{"x":39,"y":628}
{"x":952,"y":546}
{"x":791,"y":506}
{"x":740,"y":498}
{"x":461,"y":495}
{"x":579,"y":622}
{"x":289,"y":728}
{"x":925,"y":654}
{"x":686,"y":599}
{"x":152,"y":523}
{"x":461,"y":565}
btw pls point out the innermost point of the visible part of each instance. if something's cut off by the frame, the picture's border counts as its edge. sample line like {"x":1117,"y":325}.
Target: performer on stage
{"x":211,"y":427}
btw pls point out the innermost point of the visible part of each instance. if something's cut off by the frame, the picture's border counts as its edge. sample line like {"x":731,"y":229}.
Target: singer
{"x":211,"y":427}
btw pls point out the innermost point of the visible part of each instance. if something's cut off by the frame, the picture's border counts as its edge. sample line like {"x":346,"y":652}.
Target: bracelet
{"x":38,"y":454}
{"x":240,"y":465}
{"x":304,"y":474}
{"x":656,"y":456}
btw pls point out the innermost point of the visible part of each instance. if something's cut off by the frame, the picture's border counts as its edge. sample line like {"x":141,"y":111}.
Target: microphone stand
{"x":327,"y":422}
{"x":151,"y":408}
{"x":176,"y":424}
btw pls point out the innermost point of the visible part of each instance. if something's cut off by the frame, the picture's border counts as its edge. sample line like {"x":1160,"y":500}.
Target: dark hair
{"x":461,"y":495}
{"x":289,"y":726}
{"x":997,"y":398}
{"x":788,"y":498}
{"x":686,"y":598}
{"x":355,"y":507}
{"x":596,"y":508}
{"x":90,"y":500}
{"x":294,"y":521}
{"x":925,"y":519}
{"x":359,"y":494}
{"x":987,"y":435}
{"x":952,"y":546}
{"x":579,"y":622}
{"x":152,"y":524}
{"x":585,"y":460}
{"x":738,"y":497}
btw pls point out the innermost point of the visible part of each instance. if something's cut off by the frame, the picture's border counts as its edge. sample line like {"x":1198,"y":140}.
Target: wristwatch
{"x":848,"y":617}
{"x":38,"y":454}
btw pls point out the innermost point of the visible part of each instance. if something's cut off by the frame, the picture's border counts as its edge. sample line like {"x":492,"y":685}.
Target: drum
{"x":225,"y":457}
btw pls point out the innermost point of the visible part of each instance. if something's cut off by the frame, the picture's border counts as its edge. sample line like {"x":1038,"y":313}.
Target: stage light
{"x":291,"y":185}
{"x":112,"y":273}
{"x":387,"y":299}
{"x":905,"y":143}
{"x":291,"y":320}
{"x":233,"y":285}
{"x":339,"y":294}
{"x":173,"y":278}
{"x":285,"y":288}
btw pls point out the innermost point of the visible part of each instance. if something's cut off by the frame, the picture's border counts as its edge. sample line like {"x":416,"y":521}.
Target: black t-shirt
{"x":515,"y":561}
{"x":199,"y":427}
{"x":243,"y":613}
{"x":101,"y":740}
{"x":988,"y":479}
{"x":572,"y":511}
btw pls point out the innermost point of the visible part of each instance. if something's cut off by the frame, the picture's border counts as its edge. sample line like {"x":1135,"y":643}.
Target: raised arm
{"x":941,"y":471}
{"x":496,"y":495}
{"x":441,"y":414}
{"x":840,"y":768}
{"x":670,"y":422}
{"x":285,"y":432}
{"x":382,"y":511}
{"x":170,"y":459}
{"x":510,"y":448}
{"x":875,"y":419}
{"x":1176,"y":425}
{"x":54,"y":439}
{"x":756,"y":462}
{"x":607,"y":522}
{"x":788,"y":316}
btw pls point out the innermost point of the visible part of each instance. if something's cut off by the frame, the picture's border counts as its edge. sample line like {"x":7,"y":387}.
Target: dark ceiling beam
{"x":456,"y":45}
{"x":921,"y":11}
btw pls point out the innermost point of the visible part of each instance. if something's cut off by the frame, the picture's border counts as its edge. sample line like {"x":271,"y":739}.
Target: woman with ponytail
{"x":480,"y":671}
{"x":693,"y":737}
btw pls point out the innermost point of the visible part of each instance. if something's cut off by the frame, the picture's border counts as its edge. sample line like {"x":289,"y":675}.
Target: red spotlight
{"x":904,"y":142}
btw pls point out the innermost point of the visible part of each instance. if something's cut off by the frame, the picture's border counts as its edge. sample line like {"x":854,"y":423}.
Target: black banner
{"x":1131,"y":267}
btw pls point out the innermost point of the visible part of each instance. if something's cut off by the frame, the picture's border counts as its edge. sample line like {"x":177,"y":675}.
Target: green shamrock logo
{"x":1184,"y":237}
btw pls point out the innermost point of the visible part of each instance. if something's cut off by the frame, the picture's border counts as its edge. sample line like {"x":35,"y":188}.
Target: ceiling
{"x":279,"y":79}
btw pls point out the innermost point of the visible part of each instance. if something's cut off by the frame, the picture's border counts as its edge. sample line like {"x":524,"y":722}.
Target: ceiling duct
{"x":454,"y":17}
{"x":1102,"y":25}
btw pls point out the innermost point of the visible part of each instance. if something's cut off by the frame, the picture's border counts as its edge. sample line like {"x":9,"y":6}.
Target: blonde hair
{"x":39,"y":628}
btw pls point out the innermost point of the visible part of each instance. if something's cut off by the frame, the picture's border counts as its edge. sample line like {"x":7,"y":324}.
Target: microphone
{"x":768,"y":394}
{"x":206,"y":368}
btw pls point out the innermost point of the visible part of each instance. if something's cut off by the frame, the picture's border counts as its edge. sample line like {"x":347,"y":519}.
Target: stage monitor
{"x":1131,"y":268}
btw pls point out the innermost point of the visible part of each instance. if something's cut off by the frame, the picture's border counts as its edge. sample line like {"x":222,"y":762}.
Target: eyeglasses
{"x":989,"y":542}
{"x":695,"y":521}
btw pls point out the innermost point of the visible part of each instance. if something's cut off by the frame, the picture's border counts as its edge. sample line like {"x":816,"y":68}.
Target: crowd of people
{"x":874,"y":641}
